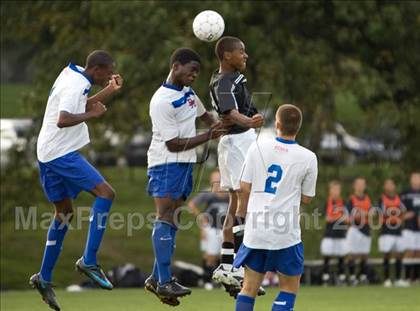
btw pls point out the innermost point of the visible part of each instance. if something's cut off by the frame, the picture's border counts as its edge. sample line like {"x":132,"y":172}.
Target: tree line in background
{"x":316,"y":54}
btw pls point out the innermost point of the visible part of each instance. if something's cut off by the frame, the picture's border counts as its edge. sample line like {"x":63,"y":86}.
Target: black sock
{"x":352,"y":267}
{"x":363,"y":267}
{"x":341,"y":265}
{"x":409,"y":269}
{"x":238,"y":232}
{"x":326,"y":268}
{"x":386,"y":268}
{"x":208,"y":272}
{"x":398,"y":268}
{"x":227,"y":253}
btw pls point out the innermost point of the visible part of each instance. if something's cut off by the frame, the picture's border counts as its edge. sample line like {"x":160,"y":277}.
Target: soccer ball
{"x":208,"y":26}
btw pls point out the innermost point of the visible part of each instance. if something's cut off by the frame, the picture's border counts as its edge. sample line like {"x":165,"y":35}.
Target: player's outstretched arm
{"x":113,"y":86}
{"x":234,"y":116}
{"x":181,"y":144}
{"x":66,"y":119}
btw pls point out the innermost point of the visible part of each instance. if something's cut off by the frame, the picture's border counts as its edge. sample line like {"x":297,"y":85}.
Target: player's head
{"x":389,"y":186}
{"x":334,"y":189}
{"x":215,"y":181}
{"x":415,"y":180}
{"x":231,"y":51}
{"x":100,"y":67}
{"x":185,"y":66}
{"x":359,"y":185}
{"x":288,"y":120}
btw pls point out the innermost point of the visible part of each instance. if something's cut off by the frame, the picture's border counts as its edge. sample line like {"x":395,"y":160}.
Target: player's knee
{"x":106,"y":191}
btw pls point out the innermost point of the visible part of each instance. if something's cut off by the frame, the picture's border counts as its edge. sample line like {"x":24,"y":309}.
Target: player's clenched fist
{"x":116,"y":82}
{"x":97,"y":109}
{"x":217,"y":129}
{"x":257,"y":120}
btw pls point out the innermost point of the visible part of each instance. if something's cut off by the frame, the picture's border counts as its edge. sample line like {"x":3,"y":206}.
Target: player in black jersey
{"x":233,"y":102}
{"x":411,"y":231}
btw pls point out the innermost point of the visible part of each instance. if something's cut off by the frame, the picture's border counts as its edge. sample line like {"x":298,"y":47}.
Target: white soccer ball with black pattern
{"x":208,"y":26}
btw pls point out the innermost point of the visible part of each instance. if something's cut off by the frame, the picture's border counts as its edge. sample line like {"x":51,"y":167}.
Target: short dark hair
{"x":290,"y":118}
{"x":99,"y":58}
{"x":184,"y":56}
{"x":225,"y":44}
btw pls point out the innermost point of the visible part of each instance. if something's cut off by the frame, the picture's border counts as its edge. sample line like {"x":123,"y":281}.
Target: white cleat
{"x":388,"y":283}
{"x":228,"y":275}
{"x":402,"y":283}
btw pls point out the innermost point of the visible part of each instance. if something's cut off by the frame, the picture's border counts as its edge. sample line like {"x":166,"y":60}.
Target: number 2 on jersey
{"x":275,"y":178}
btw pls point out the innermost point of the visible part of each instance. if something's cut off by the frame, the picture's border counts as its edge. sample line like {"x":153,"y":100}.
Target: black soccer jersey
{"x":411,"y":200}
{"x":216,"y":207}
{"x":229,"y":91}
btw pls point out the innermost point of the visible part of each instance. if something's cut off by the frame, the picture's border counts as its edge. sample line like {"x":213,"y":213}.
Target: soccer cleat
{"x":232,"y":290}
{"x":228,"y":275}
{"x":353,"y":280}
{"x":341,"y":281}
{"x":325,"y":278}
{"x":402,"y":283}
{"x":95,"y":273}
{"x":261,"y":291}
{"x":388,"y":283}
{"x":46,"y":291}
{"x":172,"y":289}
{"x":363,"y":280}
{"x":151,"y":285}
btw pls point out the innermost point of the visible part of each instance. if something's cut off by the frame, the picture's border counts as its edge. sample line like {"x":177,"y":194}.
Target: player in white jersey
{"x":174,"y":109}
{"x":65,"y":172}
{"x":278,"y":175}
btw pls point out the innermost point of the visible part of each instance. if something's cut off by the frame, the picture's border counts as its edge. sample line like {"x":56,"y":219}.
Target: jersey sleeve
{"x":309,"y":181}
{"x":249,"y":165}
{"x":69,"y":100}
{"x":226,"y":96}
{"x":164,"y":120}
{"x":201,"y":198}
{"x":200,"y":107}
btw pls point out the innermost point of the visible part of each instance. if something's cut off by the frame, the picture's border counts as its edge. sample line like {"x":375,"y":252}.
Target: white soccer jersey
{"x":280,"y":171}
{"x":69,"y":93}
{"x":173,"y":112}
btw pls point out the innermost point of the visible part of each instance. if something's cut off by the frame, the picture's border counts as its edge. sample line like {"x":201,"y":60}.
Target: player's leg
{"x":252,"y":282}
{"x":289,"y":286}
{"x":387,"y":279}
{"x":163,"y":238}
{"x":55,"y":237}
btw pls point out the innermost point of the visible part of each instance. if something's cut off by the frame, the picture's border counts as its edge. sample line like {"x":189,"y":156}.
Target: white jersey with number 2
{"x":280,"y":171}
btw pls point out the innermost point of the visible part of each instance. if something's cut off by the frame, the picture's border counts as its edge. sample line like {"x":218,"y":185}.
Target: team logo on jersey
{"x":281,"y":148}
{"x":191,"y":102}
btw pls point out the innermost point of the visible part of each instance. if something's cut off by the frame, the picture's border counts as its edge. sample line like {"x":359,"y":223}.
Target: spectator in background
{"x":216,"y":204}
{"x":334,"y":243}
{"x":390,"y":239}
{"x":411,"y":231}
{"x":358,"y":235}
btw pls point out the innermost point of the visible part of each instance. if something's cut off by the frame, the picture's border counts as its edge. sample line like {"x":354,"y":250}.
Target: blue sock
{"x":163,"y":247}
{"x":98,"y":218}
{"x":155,"y":265}
{"x":244,"y":303}
{"x":284,"y":302}
{"x":55,"y":238}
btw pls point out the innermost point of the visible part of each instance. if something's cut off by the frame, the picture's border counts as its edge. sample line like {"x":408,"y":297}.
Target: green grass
{"x":21,"y":250}
{"x":11,"y":100}
{"x":309,"y":299}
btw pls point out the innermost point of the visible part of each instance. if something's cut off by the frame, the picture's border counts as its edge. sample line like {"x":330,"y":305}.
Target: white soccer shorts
{"x":411,"y":240}
{"x":212,"y":244}
{"x":232,"y":151}
{"x":358,"y":243}
{"x":389,"y":242}
{"x":334,"y":247}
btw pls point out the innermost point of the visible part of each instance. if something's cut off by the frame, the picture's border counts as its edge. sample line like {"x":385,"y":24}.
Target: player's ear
{"x":227,"y":55}
{"x":277,"y":124}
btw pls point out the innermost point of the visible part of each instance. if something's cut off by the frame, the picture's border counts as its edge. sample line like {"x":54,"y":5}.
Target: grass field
{"x":372,"y":298}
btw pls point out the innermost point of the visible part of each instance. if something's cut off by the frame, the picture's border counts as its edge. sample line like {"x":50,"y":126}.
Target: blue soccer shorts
{"x":173,"y":180}
{"x":288,"y":261}
{"x":66,"y":176}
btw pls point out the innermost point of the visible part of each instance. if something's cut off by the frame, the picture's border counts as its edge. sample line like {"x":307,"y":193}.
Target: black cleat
{"x":46,"y":291}
{"x":173,"y":289}
{"x":95,"y":273}
{"x":232,"y":290}
{"x":261,"y":291}
{"x":151,"y":285}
